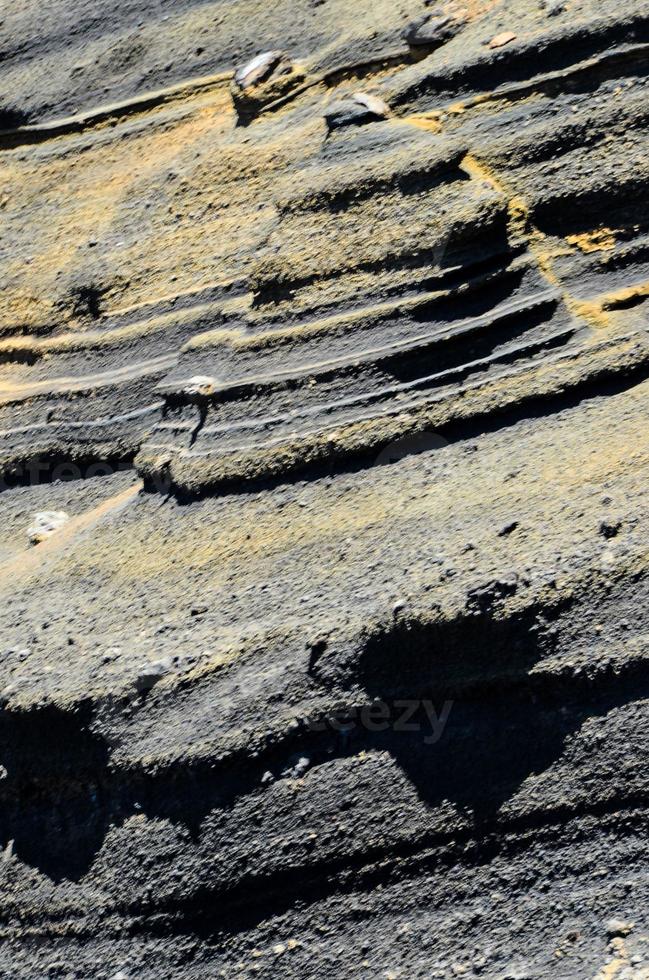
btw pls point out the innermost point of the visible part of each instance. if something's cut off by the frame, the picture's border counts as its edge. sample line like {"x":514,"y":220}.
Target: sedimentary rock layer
{"x":338,"y":372}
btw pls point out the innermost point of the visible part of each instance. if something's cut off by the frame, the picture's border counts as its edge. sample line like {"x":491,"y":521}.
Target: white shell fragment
{"x":257,"y":69}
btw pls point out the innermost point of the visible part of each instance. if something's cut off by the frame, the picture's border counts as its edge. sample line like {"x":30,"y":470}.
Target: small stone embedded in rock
{"x":500,"y":40}
{"x":298,"y":765}
{"x":359,"y":108}
{"x":429,"y":30}
{"x":45,"y":523}
{"x":372,"y":103}
{"x":199,"y":385}
{"x":149,"y":675}
{"x":610,"y":528}
{"x":618,"y":927}
{"x":258,"y":69}
{"x":507,"y":529}
{"x":553,"y":7}
{"x":398,"y":607}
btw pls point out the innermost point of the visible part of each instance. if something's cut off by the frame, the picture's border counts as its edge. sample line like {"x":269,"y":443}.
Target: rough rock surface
{"x":338,"y":665}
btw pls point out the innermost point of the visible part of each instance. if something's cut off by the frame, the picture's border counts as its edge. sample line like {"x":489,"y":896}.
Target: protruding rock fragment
{"x":500,"y":40}
{"x":372,"y":103}
{"x":45,"y":523}
{"x":269,"y":76}
{"x":260,"y":68}
{"x":430,"y":31}
{"x":199,"y":385}
{"x":298,"y":765}
{"x":619,"y":927}
{"x":149,"y":675}
{"x":359,"y":108}
{"x":507,"y":529}
{"x":610,"y":528}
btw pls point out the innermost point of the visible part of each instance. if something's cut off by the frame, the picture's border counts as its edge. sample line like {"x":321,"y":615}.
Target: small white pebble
{"x":45,"y":523}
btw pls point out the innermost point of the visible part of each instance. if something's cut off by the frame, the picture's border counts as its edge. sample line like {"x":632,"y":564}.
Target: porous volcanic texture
{"x":328,"y":378}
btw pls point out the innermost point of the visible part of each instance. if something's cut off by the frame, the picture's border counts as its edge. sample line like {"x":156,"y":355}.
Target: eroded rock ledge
{"x":336,"y":369}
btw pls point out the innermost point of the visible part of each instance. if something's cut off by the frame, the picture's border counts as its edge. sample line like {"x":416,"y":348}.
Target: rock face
{"x":326,"y":331}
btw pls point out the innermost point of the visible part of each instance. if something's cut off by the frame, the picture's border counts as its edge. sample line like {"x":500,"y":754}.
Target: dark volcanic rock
{"x":323,"y":389}
{"x":431,"y":30}
{"x":356,"y":110}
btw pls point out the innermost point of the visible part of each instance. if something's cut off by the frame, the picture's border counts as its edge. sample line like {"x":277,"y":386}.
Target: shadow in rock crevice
{"x":501,"y":723}
{"x":50,"y":795}
{"x":59,"y":793}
